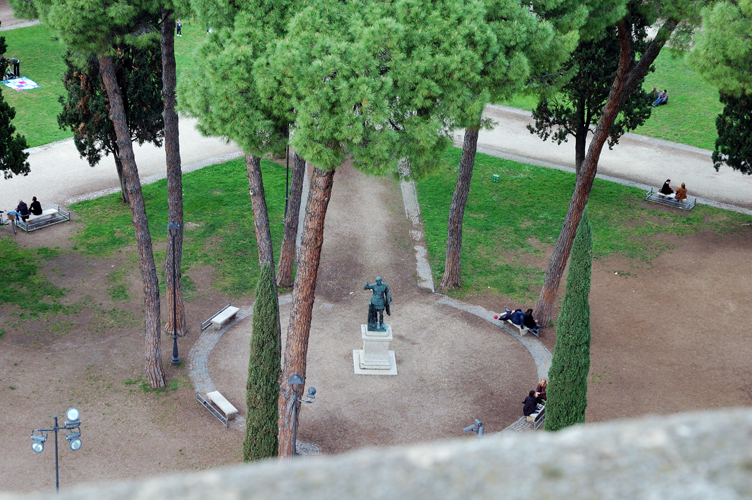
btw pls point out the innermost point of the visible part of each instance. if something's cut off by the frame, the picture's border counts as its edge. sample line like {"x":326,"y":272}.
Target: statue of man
{"x":379,"y":301}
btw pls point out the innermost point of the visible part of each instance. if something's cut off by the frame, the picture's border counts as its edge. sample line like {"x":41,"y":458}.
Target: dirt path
{"x":453,"y":367}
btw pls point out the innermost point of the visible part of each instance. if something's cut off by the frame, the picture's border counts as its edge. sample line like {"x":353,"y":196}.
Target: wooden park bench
{"x":669,"y":200}
{"x":218,"y":406}
{"x":221,"y":317}
{"x":51,"y":214}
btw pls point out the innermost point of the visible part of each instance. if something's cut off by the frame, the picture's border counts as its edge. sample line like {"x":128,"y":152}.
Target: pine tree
{"x":264,"y":367}
{"x":567,"y":388}
{"x":86,"y":106}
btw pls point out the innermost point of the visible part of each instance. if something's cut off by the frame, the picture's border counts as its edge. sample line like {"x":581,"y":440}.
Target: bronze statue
{"x":379,"y":301}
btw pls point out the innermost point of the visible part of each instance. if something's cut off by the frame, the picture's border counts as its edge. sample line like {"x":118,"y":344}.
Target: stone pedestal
{"x":375,"y":358}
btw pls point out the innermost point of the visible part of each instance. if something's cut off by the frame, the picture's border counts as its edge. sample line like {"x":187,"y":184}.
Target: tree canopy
{"x":589,"y":74}
{"x":86,"y":107}
{"x":723,"y":55}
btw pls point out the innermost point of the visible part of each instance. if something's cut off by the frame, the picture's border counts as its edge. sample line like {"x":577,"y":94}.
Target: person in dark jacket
{"x":530,"y":404}
{"x":666,"y":189}
{"x":35,"y":207}
{"x":23,"y":210}
{"x":529,"y":321}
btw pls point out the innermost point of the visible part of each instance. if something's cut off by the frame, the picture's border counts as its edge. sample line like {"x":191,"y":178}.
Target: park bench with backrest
{"x":669,"y":200}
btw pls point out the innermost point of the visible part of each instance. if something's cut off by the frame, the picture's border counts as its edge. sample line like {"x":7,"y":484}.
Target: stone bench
{"x":669,"y":200}
{"x":46,"y":214}
{"x":221,"y":402}
{"x":225,"y":316}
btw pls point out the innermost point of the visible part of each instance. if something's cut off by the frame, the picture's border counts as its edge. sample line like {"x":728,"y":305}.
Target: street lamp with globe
{"x":73,"y":424}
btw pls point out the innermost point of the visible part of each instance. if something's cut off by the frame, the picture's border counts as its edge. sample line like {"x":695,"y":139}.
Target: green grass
{"x":509,"y":225}
{"x":217,"y":211}
{"x":688,"y":118}
{"x":23,"y":284}
{"x":41,"y":56}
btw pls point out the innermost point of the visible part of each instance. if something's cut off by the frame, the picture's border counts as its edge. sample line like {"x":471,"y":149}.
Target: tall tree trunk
{"x":287,"y":253}
{"x":155,"y":376}
{"x":121,"y":179}
{"x":451,"y":278}
{"x":628,"y":76}
{"x":580,"y":136}
{"x":261,"y":219}
{"x":260,"y":214}
{"x":303,"y":295}
{"x":174,"y":177}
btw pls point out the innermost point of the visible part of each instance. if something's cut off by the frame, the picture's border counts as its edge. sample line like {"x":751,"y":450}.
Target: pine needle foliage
{"x":264,"y":367}
{"x":567,"y":388}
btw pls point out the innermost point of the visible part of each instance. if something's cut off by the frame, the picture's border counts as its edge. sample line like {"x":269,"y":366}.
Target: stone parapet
{"x":704,"y":455}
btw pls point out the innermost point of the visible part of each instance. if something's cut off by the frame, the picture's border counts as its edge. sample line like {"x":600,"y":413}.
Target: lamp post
{"x":72,"y":423}
{"x":173,"y":228}
{"x":296,"y":381}
{"x":477,"y":427}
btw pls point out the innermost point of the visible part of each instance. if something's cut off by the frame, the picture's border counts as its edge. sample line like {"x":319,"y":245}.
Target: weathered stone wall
{"x":704,"y":456}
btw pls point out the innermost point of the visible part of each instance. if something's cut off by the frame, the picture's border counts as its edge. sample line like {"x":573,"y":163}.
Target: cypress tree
{"x":567,"y":388}
{"x":264,"y":367}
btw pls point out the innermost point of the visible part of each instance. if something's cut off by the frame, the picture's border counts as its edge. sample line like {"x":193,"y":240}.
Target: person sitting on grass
{"x":531,"y":404}
{"x":662,"y":98}
{"x":35,"y":207}
{"x":681,"y":193}
{"x":666,"y":189}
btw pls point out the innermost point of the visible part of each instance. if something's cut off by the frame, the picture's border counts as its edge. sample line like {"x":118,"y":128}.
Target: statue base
{"x":375,"y":358}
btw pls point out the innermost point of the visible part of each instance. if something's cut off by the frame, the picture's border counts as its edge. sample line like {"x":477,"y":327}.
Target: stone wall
{"x":705,"y":455}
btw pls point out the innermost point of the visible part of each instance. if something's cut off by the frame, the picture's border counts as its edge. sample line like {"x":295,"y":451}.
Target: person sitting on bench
{"x":35,"y":208}
{"x":529,"y":321}
{"x":681,"y":193}
{"x":666,"y":189}
{"x":22,"y":210}
{"x":541,"y":390}
{"x":530,"y":403}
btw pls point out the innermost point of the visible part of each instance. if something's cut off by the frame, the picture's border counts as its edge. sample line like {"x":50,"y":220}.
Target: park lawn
{"x":41,"y":56}
{"x":688,"y":118}
{"x":218,"y":218}
{"x":509,"y":225}
{"x":693,"y":104}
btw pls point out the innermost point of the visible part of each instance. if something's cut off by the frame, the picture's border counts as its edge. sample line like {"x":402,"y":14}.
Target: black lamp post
{"x":173,"y":228}
{"x":72,"y":423}
{"x":296,"y":381}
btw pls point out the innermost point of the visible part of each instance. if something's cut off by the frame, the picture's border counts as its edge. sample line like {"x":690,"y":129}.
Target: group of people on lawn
{"x":679,"y":195}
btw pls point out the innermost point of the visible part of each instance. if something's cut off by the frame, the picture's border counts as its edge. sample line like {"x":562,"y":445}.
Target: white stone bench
{"x":227,"y":408}
{"x":225,"y":316}
{"x":522,"y":328}
{"x":46,"y":214}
